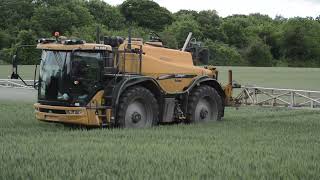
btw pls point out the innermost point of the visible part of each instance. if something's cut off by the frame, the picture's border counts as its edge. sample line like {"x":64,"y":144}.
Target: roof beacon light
{"x":56,"y":34}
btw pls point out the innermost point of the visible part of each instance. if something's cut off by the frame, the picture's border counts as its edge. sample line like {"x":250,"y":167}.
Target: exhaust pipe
{"x":187,"y":42}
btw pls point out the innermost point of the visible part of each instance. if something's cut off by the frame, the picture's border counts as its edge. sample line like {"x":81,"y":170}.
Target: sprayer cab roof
{"x":70,"y":45}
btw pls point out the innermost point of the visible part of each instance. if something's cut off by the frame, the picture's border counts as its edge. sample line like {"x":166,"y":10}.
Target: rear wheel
{"x":204,"y":105}
{"x":138,"y":108}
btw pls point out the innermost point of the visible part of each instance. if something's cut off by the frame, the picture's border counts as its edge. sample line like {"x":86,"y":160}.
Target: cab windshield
{"x":54,"y":69}
{"x":67,"y":76}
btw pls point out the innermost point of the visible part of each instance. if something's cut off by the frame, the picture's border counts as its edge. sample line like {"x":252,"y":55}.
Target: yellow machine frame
{"x":154,"y":62}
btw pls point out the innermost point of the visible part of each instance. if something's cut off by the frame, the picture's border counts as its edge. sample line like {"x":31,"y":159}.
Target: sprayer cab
{"x":71,"y":71}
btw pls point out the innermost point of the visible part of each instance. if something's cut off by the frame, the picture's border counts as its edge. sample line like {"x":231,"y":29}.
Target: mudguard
{"x":130,"y":81}
{"x":207,"y":81}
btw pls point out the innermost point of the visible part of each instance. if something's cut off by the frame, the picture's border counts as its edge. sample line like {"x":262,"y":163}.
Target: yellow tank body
{"x":158,"y":62}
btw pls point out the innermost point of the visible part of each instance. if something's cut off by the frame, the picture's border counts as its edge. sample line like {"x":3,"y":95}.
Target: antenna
{"x":130,"y":16}
{"x":98,"y":35}
{"x":129,"y":41}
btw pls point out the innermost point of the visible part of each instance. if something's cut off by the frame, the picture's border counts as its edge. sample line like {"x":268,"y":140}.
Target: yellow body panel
{"x":160,"y":61}
{"x":88,"y":116}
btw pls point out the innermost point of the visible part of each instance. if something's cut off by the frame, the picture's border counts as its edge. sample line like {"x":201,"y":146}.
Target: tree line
{"x":244,"y":40}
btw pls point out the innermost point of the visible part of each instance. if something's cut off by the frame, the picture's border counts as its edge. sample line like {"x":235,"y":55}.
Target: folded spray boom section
{"x":275,"y":97}
{"x":17,"y":83}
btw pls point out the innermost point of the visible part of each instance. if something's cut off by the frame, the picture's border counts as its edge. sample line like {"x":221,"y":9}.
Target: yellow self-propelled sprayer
{"x":128,"y":83}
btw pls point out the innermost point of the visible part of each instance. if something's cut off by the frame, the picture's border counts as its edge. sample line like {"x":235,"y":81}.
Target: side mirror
{"x":35,"y":83}
{"x":14,"y":74}
{"x":14,"y":61}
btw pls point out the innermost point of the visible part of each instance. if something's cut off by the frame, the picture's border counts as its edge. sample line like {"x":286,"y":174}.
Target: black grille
{"x":52,"y":111}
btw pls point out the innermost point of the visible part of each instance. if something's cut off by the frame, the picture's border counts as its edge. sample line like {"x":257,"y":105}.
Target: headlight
{"x":75,"y":112}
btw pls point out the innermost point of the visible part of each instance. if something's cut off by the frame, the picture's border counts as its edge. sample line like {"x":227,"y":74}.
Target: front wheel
{"x":138,"y":108}
{"x":204,"y":105}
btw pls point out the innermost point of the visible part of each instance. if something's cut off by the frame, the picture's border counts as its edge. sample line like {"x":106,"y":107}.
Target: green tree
{"x":184,"y":12}
{"x":169,"y":39}
{"x":210,"y":24}
{"x":27,"y":55}
{"x":270,"y":36}
{"x":180,"y":30}
{"x":4,"y":39}
{"x":269,"y":33}
{"x":234,"y":40}
{"x":258,"y":54}
{"x":88,"y":33}
{"x":63,"y":17}
{"x":105,"y":14}
{"x":300,"y":41}
{"x":6,"y":55}
{"x":54,"y":18}
{"x":146,"y":13}
{"x":258,"y":19}
{"x":12,"y":12}
{"x":223,"y":55}
{"x":234,"y":27}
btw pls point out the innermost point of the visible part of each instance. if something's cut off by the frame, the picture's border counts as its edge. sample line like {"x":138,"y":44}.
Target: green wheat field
{"x":251,"y":143}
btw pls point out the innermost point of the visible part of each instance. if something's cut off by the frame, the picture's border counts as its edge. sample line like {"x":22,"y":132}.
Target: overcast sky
{"x":286,"y":8}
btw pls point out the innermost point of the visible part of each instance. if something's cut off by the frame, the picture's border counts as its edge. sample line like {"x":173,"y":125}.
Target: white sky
{"x":286,"y":8}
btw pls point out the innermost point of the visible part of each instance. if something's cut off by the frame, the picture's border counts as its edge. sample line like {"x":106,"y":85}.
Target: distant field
{"x":251,"y":143}
{"x":3,"y":63}
{"x":26,"y":72}
{"x":299,"y":78}
{"x":277,"y":77}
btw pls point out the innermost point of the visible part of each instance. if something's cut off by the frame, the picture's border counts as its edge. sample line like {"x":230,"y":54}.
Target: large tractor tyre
{"x":138,"y":108}
{"x":205,"y":104}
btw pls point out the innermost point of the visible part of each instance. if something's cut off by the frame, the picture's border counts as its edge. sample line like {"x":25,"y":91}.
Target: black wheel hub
{"x":136,"y":117}
{"x":204,"y":113}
